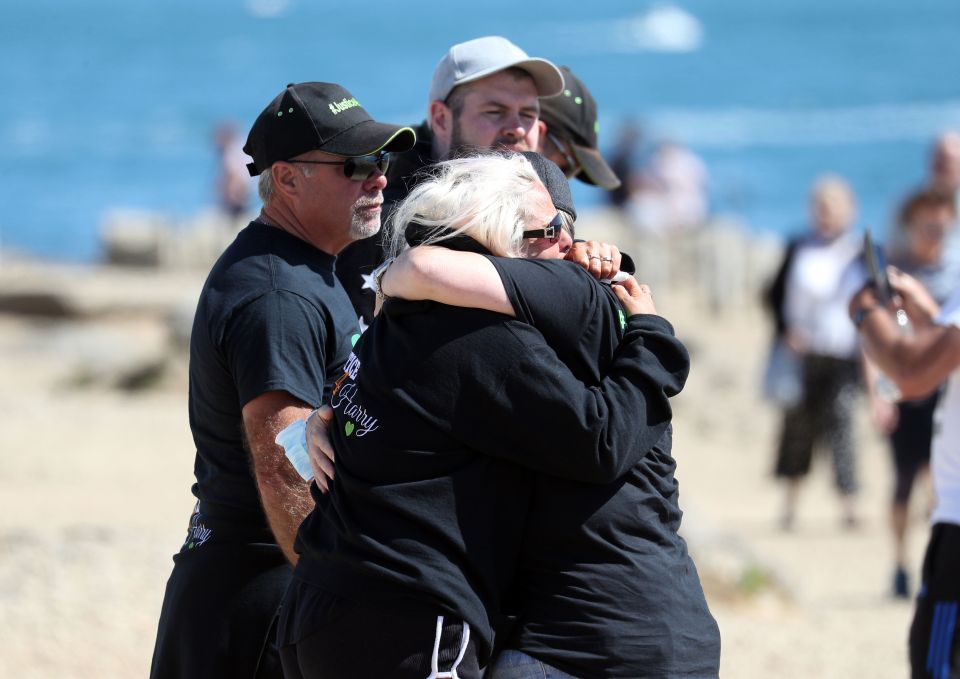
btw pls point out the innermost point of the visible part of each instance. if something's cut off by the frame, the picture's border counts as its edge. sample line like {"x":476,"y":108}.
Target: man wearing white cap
{"x":484,"y":95}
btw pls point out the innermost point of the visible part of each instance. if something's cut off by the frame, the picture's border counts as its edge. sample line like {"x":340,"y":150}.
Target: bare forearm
{"x":284,"y":495}
{"x":286,"y":503}
{"x":456,"y":278}
{"x":916,"y":362}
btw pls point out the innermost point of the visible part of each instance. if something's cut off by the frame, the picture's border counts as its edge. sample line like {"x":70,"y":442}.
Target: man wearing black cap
{"x":272,"y":331}
{"x":568,"y":134}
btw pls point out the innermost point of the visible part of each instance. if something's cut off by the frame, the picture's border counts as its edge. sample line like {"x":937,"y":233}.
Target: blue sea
{"x":111,"y":104}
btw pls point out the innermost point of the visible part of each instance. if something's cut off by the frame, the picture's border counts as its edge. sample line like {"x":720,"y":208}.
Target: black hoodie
{"x":440,"y":418}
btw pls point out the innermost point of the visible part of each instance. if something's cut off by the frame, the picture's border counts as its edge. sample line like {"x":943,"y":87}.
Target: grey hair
{"x":485,"y":197}
{"x":265,"y":185}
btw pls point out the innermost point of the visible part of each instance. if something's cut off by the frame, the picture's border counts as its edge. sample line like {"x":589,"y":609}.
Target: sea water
{"x":112,"y":104}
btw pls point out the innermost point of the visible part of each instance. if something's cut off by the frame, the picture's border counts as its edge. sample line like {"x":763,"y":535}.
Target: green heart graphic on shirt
{"x":348,"y":428}
{"x":353,"y":340}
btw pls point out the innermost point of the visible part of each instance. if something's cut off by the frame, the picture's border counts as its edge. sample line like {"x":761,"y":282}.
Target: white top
{"x":945,"y":449}
{"x":819,"y":285}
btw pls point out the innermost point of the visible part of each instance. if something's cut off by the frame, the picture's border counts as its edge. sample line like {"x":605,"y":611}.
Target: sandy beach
{"x":96,"y":468}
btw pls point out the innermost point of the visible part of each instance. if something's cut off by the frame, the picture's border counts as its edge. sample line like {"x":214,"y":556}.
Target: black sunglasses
{"x":357,"y":168}
{"x":551,"y":230}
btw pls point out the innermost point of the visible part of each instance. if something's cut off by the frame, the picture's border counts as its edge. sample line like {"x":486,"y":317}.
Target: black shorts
{"x":219,"y":613}
{"x":911,"y":443}
{"x":322,"y":635}
{"x":934,"y":651}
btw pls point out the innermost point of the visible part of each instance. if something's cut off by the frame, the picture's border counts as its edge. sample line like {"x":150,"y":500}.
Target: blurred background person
{"x":945,"y":163}
{"x":623,"y":162}
{"x":233,"y":180}
{"x":918,"y":246}
{"x":670,"y":195}
{"x":812,"y":306}
{"x":919,"y":362}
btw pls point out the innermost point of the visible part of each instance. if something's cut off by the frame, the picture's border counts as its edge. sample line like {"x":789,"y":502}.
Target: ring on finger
{"x":606,"y":259}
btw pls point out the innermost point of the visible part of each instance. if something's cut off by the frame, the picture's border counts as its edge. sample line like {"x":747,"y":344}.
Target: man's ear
{"x":286,"y":179}
{"x":441,"y":120}
{"x":542,"y":127}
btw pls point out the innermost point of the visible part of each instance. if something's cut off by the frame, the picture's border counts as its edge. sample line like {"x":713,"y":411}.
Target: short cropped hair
{"x":265,"y":183}
{"x":486,"y":197}
{"x":265,"y":186}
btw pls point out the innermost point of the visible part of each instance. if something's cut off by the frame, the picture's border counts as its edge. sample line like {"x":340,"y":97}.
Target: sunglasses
{"x":551,"y":230}
{"x":357,"y":168}
{"x":573,"y":167}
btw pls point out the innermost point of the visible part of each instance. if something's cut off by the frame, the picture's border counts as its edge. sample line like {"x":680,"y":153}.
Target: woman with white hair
{"x":442,"y":418}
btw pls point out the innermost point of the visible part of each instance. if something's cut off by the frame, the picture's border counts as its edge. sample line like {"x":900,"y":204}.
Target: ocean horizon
{"x":112,"y":104}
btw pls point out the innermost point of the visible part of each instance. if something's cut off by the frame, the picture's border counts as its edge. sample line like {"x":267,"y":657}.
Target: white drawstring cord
{"x":435,"y":672}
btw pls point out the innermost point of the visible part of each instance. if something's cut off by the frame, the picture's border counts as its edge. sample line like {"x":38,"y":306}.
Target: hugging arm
{"x":542,"y":417}
{"x":539,"y":415}
{"x":463,"y":279}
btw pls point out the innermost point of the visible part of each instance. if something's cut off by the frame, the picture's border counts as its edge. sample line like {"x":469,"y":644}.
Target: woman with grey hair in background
{"x":440,"y":419}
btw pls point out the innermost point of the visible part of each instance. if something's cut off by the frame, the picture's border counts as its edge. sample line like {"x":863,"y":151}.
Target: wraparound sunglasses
{"x":357,"y":168}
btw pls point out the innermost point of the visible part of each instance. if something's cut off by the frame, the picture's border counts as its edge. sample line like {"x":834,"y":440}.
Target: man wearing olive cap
{"x":272,"y":331}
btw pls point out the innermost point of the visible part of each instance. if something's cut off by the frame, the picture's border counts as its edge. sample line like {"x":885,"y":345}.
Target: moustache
{"x":513,"y":144}
{"x":369,"y":200}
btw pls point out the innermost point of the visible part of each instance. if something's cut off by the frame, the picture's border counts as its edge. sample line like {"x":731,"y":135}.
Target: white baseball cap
{"x":478,"y":58}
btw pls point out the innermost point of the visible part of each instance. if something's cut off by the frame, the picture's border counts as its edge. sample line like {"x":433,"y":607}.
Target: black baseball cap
{"x":572,"y":115}
{"x":553,"y":178}
{"x":319,"y":116}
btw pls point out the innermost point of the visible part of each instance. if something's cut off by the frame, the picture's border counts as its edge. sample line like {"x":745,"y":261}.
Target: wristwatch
{"x":860,"y":314}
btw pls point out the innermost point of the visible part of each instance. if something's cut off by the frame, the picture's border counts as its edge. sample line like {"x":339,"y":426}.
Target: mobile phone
{"x":876,"y":268}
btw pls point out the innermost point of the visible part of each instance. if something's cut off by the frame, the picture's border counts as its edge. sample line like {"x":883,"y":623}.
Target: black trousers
{"x":219,"y":613}
{"x":934,"y":647}
{"x":322,"y":636}
{"x":823,"y":416}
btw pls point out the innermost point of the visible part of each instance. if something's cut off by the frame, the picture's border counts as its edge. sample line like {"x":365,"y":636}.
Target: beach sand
{"x":95,"y":479}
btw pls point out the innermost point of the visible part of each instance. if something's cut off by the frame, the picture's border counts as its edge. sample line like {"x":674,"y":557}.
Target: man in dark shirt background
{"x":272,"y":331}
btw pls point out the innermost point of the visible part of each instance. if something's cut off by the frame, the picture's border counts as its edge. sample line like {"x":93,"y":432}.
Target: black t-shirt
{"x":606,"y":587}
{"x":271,"y":317}
{"x":440,"y":416}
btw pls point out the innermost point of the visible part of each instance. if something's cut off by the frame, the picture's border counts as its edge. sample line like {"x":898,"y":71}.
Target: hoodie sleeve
{"x":535,"y":413}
